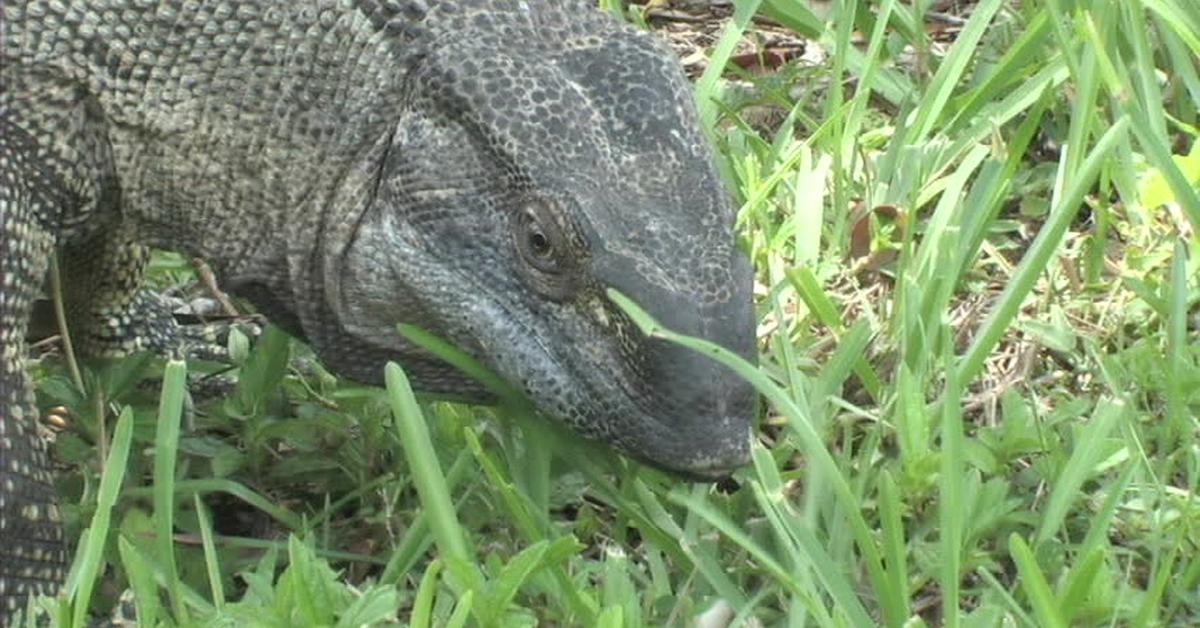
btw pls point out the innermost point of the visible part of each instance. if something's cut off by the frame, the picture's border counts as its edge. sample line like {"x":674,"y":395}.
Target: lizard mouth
{"x":694,"y":413}
{"x":692,"y":418}
{"x":698,"y":430}
{"x":715,"y":462}
{"x":706,"y":446}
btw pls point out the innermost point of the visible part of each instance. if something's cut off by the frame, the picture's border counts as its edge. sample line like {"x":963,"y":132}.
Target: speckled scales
{"x":32,"y":556}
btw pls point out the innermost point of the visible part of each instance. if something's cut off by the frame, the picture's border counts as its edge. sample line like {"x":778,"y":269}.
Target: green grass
{"x":979,"y":303}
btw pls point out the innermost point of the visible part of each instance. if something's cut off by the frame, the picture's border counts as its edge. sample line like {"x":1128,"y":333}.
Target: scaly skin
{"x":484,"y":169}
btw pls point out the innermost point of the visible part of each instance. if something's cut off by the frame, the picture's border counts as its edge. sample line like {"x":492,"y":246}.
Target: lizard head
{"x":522,"y":182}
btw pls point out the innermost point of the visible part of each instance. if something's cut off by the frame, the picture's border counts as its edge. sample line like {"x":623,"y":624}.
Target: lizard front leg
{"x":109,"y":313}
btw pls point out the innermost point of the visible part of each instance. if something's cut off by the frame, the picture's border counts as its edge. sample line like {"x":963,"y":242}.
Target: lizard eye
{"x":539,"y":239}
{"x":539,"y":244}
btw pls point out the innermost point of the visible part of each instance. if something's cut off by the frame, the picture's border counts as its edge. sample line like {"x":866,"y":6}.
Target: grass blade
{"x":92,"y":552}
{"x":211,"y":562}
{"x":1079,"y":467}
{"x":166,"y":450}
{"x":1033,"y":581}
{"x":425,"y":469}
{"x":1034,"y":261}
